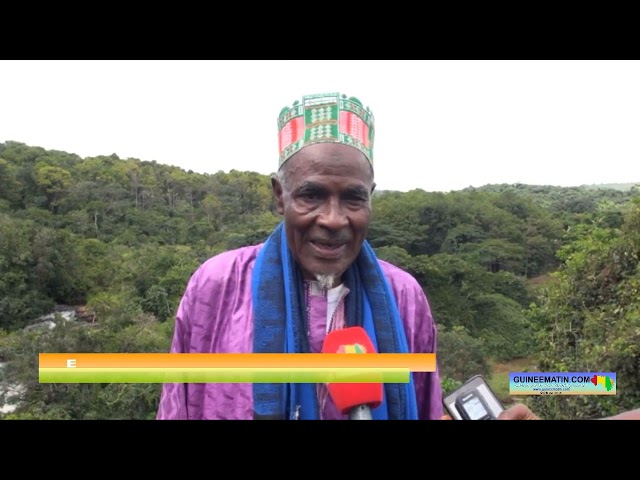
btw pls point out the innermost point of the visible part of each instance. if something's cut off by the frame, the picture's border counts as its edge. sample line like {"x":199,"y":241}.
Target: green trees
{"x":119,"y":239}
{"x":589,"y":318}
{"x":117,"y":333}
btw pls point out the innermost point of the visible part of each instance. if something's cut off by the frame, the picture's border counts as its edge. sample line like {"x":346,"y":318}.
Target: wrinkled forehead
{"x":329,"y":163}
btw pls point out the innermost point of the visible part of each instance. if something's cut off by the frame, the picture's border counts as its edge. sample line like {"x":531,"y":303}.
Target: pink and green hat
{"x":325,"y":117}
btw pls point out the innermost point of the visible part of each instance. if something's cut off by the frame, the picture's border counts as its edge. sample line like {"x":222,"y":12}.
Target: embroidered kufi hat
{"x":325,"y":117}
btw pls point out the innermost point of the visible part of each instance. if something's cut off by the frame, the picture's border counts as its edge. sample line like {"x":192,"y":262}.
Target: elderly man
{"x":314,"y":274}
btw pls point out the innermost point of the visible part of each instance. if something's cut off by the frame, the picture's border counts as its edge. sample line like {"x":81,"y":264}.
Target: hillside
{"x":119,"y":239}
{"x":625,"y":187}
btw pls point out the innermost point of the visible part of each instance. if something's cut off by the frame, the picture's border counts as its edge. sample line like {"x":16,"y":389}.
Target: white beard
{"x":326,"y":281}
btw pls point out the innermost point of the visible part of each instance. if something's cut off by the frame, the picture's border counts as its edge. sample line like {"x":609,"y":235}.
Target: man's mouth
{"x":329,"y":245}
{"x":328,"y":248}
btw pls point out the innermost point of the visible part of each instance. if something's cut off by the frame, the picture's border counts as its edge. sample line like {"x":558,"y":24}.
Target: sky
{"x":440,"y":125}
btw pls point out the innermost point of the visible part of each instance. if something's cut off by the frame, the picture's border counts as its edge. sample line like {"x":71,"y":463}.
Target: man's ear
{"x":278,"y":193}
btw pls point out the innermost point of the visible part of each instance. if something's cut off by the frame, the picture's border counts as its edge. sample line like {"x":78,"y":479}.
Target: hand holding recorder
{"x":473,"y":401}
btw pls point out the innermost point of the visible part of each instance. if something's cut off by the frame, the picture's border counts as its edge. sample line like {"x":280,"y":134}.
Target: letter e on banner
{"x":71,"y":363}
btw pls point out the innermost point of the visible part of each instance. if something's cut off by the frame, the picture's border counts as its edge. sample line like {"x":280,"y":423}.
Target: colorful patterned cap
{"x":325,"y":117}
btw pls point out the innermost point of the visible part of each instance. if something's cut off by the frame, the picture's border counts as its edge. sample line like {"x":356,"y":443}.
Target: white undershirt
{"x":333,"y":297}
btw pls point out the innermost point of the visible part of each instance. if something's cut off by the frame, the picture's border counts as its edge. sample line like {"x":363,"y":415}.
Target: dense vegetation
{"x":511,"y":271}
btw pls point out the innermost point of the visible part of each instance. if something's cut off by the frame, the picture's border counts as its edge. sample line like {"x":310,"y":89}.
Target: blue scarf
{"x":280,"y":325}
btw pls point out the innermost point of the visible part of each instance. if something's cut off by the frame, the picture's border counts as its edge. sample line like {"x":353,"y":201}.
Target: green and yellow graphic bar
{"x":231,"y":368}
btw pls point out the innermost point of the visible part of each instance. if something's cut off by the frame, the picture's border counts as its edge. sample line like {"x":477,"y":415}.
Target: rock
{"x":9,"y":390}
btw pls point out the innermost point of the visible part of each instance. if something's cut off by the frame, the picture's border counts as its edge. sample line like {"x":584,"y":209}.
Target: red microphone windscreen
{"x":350,"y":395}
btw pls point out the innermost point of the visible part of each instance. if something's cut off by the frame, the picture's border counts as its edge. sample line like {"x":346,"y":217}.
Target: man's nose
{"x":332,"y":215}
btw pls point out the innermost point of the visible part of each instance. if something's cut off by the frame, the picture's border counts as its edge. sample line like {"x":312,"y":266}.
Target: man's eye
{"x":310,"y":196}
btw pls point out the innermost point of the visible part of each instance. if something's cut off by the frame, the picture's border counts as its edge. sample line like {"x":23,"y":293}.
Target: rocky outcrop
{"x":67,"y":313}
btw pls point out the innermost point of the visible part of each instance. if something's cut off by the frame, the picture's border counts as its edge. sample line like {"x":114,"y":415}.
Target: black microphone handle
{"x":361,"y":412}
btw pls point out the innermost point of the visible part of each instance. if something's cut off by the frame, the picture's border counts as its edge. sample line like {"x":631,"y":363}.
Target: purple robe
{"x":215,"y":316}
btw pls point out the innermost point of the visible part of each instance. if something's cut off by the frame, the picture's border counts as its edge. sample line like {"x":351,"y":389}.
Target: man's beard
{"x":326,"y":281}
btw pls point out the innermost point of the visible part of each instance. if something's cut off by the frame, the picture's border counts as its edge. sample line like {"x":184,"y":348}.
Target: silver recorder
{"x":473,"y":401}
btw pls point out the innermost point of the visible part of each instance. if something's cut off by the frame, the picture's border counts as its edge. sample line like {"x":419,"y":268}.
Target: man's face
{"x":326,"y":203}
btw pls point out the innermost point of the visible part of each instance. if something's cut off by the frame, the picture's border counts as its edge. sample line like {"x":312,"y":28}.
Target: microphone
{"x":355,"y":399}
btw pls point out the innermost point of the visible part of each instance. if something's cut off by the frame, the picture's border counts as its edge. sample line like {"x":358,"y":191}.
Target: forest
{"x":519,"y":277}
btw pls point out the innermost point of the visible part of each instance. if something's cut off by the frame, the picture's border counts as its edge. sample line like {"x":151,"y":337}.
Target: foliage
{"x":449,"y":385}
{"x":460,"y":356}
{"x":81,"y":401}
{"x":589,"y":320}
{"x":119,"y":239}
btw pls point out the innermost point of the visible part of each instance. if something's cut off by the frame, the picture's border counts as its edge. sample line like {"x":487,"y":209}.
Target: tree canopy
{"x":509,"y":270}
